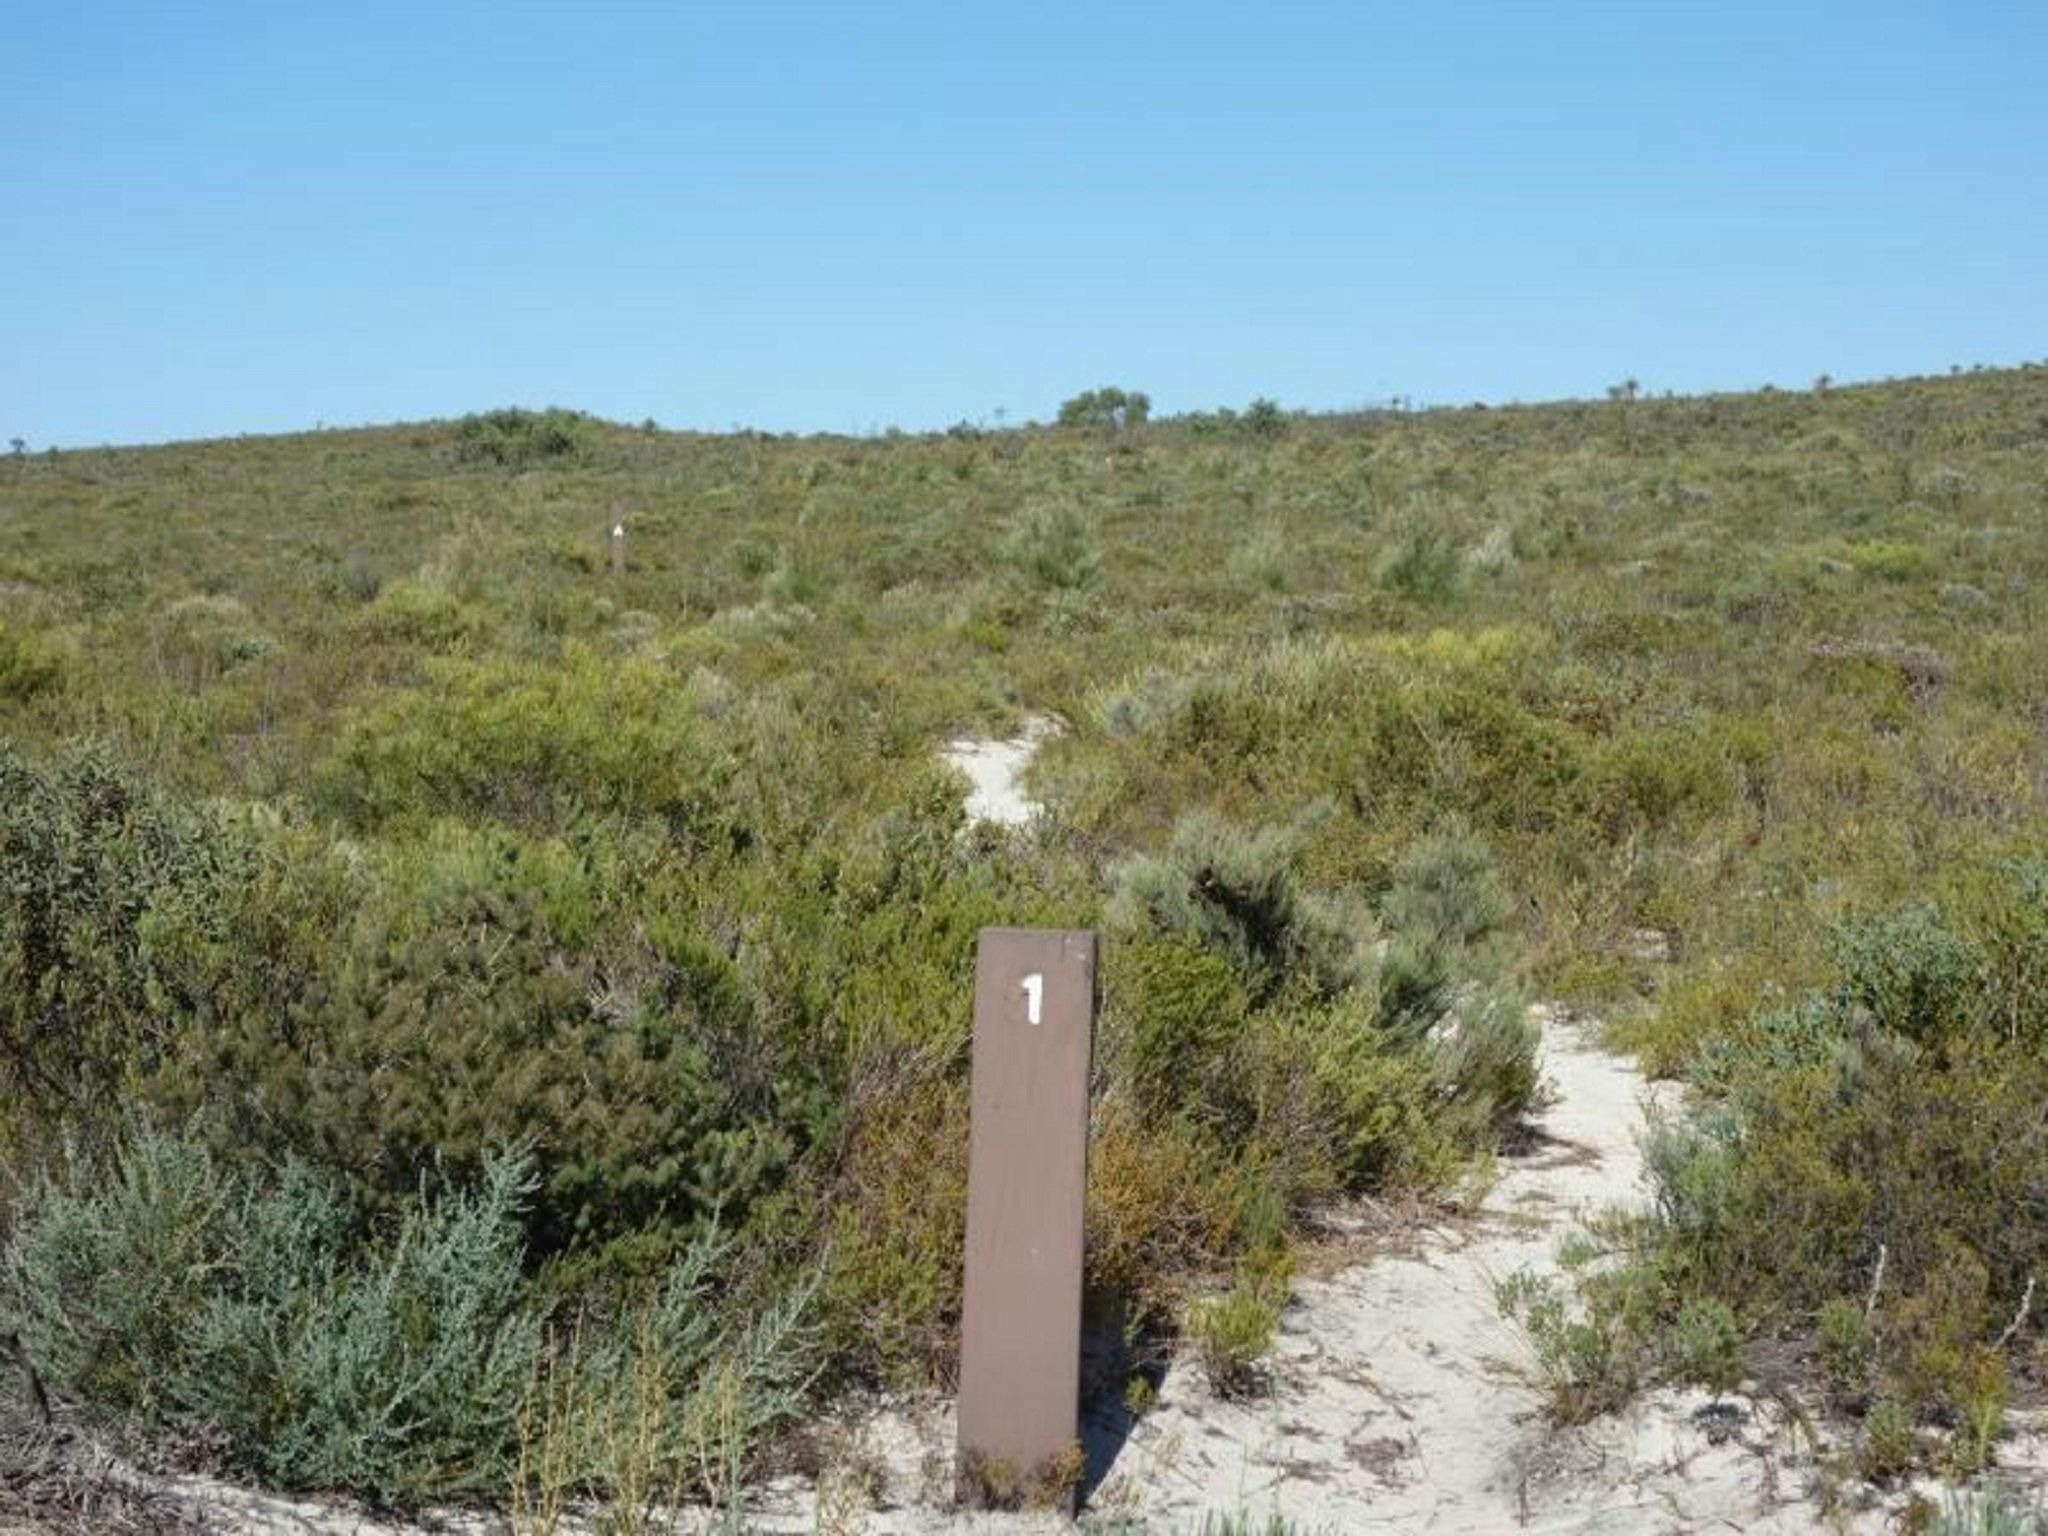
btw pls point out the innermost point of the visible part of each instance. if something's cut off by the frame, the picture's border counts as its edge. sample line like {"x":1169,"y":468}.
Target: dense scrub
{"x":360,"y":828}
{"x":1863,"y":1184}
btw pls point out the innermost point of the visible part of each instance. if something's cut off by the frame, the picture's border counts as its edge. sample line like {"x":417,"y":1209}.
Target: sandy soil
{"x":1397,"y":1400}
{"x":1400,"y":1401}
{"x":995,"y":770}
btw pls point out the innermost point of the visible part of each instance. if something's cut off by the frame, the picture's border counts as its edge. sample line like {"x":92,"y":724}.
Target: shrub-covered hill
{"x":403,"y":911}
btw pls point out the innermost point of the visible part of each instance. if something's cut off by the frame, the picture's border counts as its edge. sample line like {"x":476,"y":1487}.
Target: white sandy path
{"x":1400,"y":1404}
{"x":1399,"y":1401}
{"x":995,"y":772}
{"x":1396,"y":1404}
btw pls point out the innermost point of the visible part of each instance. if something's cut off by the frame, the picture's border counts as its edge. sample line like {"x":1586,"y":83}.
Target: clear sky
{"x":226,"y":218}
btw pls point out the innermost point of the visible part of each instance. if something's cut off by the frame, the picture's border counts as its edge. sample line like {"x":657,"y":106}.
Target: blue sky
{"x":245,"y":218}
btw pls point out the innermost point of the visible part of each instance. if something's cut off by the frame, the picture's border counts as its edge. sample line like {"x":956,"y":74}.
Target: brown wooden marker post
{"x":1027,"y":1177}
{"x":618,"y":538}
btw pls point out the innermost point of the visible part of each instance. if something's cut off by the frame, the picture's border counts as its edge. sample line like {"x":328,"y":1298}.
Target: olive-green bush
{"x":1866,"y":1172}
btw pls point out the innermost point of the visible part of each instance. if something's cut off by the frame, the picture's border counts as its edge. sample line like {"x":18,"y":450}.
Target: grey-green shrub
{"x":179,"y":1292}
{"x":1445,"y":911}
{"x":1055,"y":547}
{"x":1914,"y":975}
{"x":1237,"y":892}
{"x":1706,"y":1344}
{"x":1482,"y":1059}
{"x":1423,"y":564}
{"x":1987,"y":1512}
{"x":174,"y":1291}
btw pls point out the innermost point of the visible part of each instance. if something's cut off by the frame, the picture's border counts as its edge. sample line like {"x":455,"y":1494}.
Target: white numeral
{"x":1034,"y":997}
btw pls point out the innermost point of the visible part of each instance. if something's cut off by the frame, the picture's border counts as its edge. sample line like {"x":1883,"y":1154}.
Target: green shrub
{"x":1394,"y":737}
{"x":1890,"y":1445}
{"x":2006,"y":911}
{"x":29,"y":665}
{"x":1652,"y":779}
{"x":202,"y":638}
{"x":1236,"y":892}
{"x":1979,"y":1392}
{"x":423,"y":610}
{"x":528,"y":743}
{"x":1244,"y":1523}
{"x":1587,"y":1350}
{"x":107,"y":891}
{"x":475,"y":994}
{"x":356,"y":580}
{"x":1388,"y":1116}
{"x":1261,"y":561}
{"x":1837,"y":1162}
{"x":1055,"y":547}
{"x":1706,"y":1345}
{"x":1264,"y":419}
{"x":894,"y":1217}
{"x":513,"y":438}
{"x":1700,"y":1007}
{"x":1233,"y":1333}
{"x":1172,"y":1009}
{"x":1848,"y":1347}
{"x":382,"y":1016}
{"x":176,"y":1291}
{"x":1888,"y":559}
{"x":1422,"y":564}
{"x":1873,"y":1140}
{"x":672,"y":1397}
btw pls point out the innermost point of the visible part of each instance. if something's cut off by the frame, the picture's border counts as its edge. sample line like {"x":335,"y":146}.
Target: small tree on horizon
{"x":1264,"y":418}
{"x":1109,"y":409}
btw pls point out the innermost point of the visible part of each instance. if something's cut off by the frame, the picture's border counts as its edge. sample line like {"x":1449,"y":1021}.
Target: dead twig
{"x":2018,"y":1318}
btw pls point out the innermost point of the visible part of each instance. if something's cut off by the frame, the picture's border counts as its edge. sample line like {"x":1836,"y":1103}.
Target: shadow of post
{"x":1116,"y":1355}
